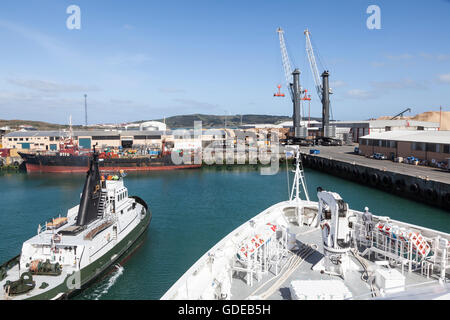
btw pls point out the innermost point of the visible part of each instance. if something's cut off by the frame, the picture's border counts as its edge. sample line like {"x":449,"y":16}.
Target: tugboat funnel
{"x":90,"y":198}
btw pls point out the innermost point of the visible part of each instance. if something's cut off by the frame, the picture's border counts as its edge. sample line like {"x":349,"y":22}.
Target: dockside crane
{"x":286,"y":63}
{"x":323,"y":89}
{"x":293,"y":85}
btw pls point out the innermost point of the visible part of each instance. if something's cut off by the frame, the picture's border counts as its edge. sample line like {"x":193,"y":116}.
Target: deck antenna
{"x":299,"y":179}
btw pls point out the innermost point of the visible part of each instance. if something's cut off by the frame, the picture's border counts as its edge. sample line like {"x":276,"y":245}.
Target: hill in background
{"x":215,"y":121}
{"x":183,"y":121}
{"x":39,"y":125}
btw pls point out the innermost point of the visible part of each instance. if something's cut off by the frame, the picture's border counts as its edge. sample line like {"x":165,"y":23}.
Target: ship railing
{"x":389,"y":247}
{"x":260,"y":259}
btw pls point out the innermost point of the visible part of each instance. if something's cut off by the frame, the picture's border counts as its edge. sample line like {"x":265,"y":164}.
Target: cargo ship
{"x":70,"y":159}
{"x":70,"y":252}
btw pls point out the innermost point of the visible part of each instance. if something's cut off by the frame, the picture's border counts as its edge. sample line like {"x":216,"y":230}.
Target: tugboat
{"x":70,"y":252}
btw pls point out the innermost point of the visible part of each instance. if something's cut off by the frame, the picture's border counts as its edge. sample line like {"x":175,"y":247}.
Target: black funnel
{"x":88,"y":210}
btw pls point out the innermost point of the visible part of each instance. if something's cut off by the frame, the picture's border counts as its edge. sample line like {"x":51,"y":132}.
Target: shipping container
{"x":4,"y":153}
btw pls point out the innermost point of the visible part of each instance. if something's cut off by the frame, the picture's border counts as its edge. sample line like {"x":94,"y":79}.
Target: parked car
{"x":356,"y":150}
{"x":411,"y":160}
{"x":379,"y":156}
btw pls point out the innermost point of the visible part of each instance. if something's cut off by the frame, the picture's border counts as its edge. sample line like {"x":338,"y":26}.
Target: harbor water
{"x":192,"y":210}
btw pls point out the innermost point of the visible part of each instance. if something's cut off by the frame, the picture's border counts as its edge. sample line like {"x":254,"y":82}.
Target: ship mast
{"x":299,"y":179}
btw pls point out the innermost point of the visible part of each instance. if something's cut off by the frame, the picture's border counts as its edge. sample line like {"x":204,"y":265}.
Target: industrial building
{"x":49,"y":140}
{"x":353,"y":130}
{"x":359,"y":129}
{"x":433,"y":146}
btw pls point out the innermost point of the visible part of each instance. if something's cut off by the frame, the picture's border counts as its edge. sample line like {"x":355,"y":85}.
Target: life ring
{"x":327,"y":226}
{"x":374,"y":179}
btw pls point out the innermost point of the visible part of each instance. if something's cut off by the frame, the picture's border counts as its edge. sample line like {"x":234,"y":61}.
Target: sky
{"x":144,"y":59}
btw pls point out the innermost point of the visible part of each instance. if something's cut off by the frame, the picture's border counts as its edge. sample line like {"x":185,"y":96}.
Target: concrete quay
{"x":424,"y":184}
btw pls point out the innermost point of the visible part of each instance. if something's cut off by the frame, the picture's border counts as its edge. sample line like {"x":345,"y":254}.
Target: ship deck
{"x":14,"y":273}
{"x":305,"y":235}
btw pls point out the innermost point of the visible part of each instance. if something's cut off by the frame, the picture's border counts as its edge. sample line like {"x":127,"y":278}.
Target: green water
{"x":192,"y":210}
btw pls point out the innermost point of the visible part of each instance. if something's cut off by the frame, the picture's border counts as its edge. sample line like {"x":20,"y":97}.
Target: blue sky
{"x":149,"y":59}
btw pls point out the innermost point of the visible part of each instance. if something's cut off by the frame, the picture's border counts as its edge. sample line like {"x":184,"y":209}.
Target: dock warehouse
{"x":425,"y":145}
{"x":50,"y":140}
{"x":359,"y":128}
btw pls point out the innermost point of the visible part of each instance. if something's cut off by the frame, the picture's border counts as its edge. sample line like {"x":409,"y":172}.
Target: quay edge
{"x":418,"y":188}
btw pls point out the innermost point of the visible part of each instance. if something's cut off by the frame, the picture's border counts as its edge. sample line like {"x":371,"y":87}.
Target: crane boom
{"x":286,"y":63}
{"x":401,"y":113}
{"x":313,"y":64}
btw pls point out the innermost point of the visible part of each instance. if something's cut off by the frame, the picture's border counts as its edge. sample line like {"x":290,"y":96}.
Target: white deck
{"x":221,"y":274}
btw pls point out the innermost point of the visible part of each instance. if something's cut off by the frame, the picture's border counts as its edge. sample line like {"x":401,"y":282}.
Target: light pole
{"x":85,"y":111}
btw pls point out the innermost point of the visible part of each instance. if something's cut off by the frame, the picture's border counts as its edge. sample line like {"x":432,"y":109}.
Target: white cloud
{"x":360,"y":94}
{"x":404,"y":56}
{"x":50,"y":86}
{"x":377,"y":64}
{"x":196,"y":104}
{"x":437,"y":57}
{"x":338,"y":84}
{"x":128,"y":59}
{"x":171,"y":90}
{"x":44,"y":41}
{"x":398,"y":85}
{"x":444,"y":78}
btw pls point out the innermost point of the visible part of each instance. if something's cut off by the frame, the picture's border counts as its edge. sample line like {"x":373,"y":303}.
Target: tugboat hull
{"x":91,"y":273}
